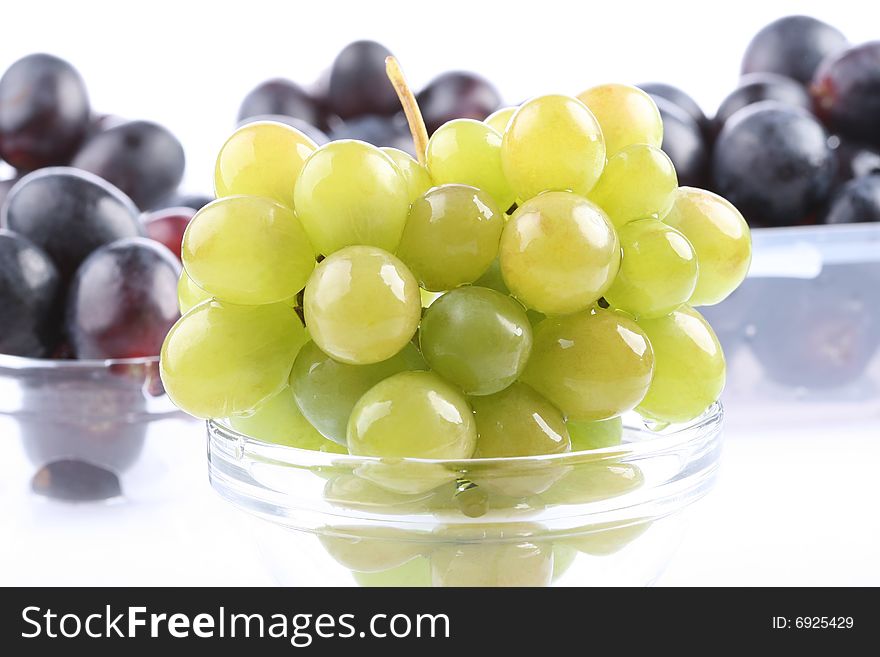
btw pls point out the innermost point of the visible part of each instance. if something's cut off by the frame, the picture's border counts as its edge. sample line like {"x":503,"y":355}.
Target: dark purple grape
{"x":377,"y":130}
{"x":282,"y":97}
{"x":857,"y":201}
{"x":123,"y":300}
{"x":101,"y":122}
{"x":180,"y":200}
{"x":756,"y":87}
{"x":358,"y":83}
{"x":316,"y":135}
{"x":29,"y":293}
{"x":75,"y":481}
{"x":44,"y":112}
{"x":141,"y":158}
{"x":773,"y":162}
{"x":69,"y":213}
{"x":457,"y":95}
{"x":792,"y":46}
{"x":679,"y":98}
{"x":846,"y":90}
{"x":684,"y":143}
{"x":854,"y":159}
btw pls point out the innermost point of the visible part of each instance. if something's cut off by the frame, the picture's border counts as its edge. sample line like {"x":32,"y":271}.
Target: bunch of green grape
{"x":511,"y":292}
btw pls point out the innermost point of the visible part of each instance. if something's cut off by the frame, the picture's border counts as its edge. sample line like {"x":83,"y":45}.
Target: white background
{"x":188,"y":64}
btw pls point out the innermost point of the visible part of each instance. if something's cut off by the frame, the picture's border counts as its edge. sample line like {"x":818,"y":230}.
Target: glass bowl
{"x":82,"y":424}
{"x":610,"y":516}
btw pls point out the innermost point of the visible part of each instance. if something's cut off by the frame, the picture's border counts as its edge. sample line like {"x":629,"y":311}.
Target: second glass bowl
{"x":610,"y":516}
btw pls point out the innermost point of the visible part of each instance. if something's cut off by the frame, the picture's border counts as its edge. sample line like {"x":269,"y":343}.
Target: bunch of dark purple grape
{"x":356,"y":101}
{"x":79,"y":276}
{"x":798,"y":141}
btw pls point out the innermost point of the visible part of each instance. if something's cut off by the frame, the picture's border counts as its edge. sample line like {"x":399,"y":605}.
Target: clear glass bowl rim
{"x":10,"y":362}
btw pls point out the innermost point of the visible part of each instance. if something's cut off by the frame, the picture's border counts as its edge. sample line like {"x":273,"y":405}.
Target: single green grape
{"x":493,"y":279}
{"x":469,"y":152}
{"x":372,"y":549}
{"x":720,"y":237}
{"x":627,"y":115}
{"x":592,"y":365}
{"x":596,"y":434}
{"x":481,"y":556}
{"x":263,"y":158}
{"x":362,"y":305}
{"x":594,"y":482}
{"x":351,"y":193}
{"x":413,"y":574}
{"x":638,"y":182}
{"x":518,"y":422}
{"x":279,"y":420}
{"x":414,"y":415}
{"x":247,"y":250}
{"x":552,"y":143}
{"x":499,"y":119}
{"x":418,"y":180}
{"x":477,"y":338}
{"x":559,"y":253}
{"x":658,"y":270}
{"x":451,"y":236}
{"x":189,"y":295}
{"x":326,"y":390}
{"x":689,"y":366}
{"x":221,"y":359}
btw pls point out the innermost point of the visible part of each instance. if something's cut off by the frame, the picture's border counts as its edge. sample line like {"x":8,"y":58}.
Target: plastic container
{"x":611,"y":516}
{"x":82,"y":425}
{"x":802,"y":334}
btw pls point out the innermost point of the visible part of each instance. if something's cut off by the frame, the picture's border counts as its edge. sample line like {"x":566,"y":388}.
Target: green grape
{"x":418,"y":180}
{"x":596,"y":434}
{"x":189,"y":295}
{"x":414,"y":415}
{"x":594,"y":482}
{"x":247,"y":250}
{"x":493,"y":279}
{"x":404,"y":477}
{"x":280,"y":421}
{"x":477,"y":338}
{"x":326,"y":390}
{"x":639,"y":182}
{"x":413,"y":574}
{"x":720,"y":237}
{"x":372,"y":549}
{"x":689,"y":366}
{"x":480,"y":556}
{"x":605,"y":539}
{"x":564,"y":557}
{"x":469,"y":152}
{"x":552,"y":143}
{"x":349,"y":193}
{"x":263,"y":158}
{"x":220,"y":359}
{"x":362,"y":305}
{"x":627,"y":115}
{"x":451,"y":236}
{"x":559,"y":253}
{"x":592,"y":365}
{"x":499,"y":119}
{"x":658,"y":270}
{"x":518,"y":422}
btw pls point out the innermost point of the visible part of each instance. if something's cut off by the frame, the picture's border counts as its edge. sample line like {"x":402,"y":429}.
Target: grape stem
{"x":410,"y":108}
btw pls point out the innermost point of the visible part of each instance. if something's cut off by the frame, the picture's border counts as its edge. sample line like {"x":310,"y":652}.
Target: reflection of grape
{"x":592,"y":365}
{"x":371,"y":549}
{"x":593,"y":482}
{"x":414,"y":573}
{"x":606,"y":538}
